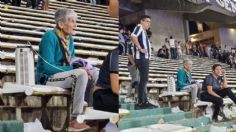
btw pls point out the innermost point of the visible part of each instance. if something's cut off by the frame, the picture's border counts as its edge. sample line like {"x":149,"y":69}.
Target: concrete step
{"x":207,"y":128}
{"x":149,"y":119}
{"x":148,"y":112}
{"x":193,"y":122}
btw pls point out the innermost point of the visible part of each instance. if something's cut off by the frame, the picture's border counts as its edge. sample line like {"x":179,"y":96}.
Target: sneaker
{"x":75,"y":126}
{"x":134,"y":84}
{"x":215,"y":120}
{"x":150,"y":106}
{"x":146,"y":105}
{"x":139,"y":106}
{"x":222,"y":114}
{"x":154,"y":102}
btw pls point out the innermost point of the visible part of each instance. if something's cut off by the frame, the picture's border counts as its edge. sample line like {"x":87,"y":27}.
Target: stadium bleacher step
{"x":193,"y":122}
{"x":138,"y":118}
{"x":146,"y":112}
{"x":206,"y":128}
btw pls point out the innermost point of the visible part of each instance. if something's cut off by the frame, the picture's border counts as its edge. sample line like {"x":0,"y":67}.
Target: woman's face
{"x":69,"y":26}
{"x":188,"y":66}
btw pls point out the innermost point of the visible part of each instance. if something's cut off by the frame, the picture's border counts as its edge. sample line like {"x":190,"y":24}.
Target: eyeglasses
{"x":147,"y":21}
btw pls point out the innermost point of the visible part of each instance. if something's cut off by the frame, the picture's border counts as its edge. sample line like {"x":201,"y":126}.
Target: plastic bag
{"x":35,"y":126}
{"x":176,"y":110}
{"x":218,"y":129}
{"x":111,"y":127}
{"x":233,"y":108}
{"x":209,"y":112}
{"x":227,"y":112}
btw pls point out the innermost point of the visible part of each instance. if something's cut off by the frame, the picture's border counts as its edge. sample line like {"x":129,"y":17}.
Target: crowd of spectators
{"x":213,"y":52}
{"x":171,"y":49}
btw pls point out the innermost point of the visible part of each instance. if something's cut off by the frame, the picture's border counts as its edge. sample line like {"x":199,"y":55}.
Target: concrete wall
{"x":132,"y":18}
{"x":227,"y":37}
{"x":165,"y":24}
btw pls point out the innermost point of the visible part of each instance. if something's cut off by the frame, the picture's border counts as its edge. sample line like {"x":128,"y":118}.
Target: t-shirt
{"x":172,"y":43}
{"x":110,"y":65}
{"x":144,"y":42}
{"x":210,"y":80}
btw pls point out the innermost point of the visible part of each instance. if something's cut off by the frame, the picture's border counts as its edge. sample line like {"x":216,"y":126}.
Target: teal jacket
{"x":50,"y":50}
{"x":182,"y":79}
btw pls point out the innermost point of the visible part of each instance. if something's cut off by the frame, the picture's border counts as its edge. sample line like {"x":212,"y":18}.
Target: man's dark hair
{"x":215,"y":65}
{"x":171,"y":37}
{"x":144,"y":17}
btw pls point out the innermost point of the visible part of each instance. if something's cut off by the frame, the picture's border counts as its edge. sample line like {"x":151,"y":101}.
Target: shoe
{"x":154,"y":102}
{"x":224,"y":118}
{"x":150,"y":106}
{"x":215,"y":120}
{"x":146,"y":105}
{"x":134,"y":84}
{"x":75,"y":126}
{"x":139,"y":106}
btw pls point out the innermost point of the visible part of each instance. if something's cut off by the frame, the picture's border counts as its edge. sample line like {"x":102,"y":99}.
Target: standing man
{"x":142,"y":54}
{"x":173,"y":49}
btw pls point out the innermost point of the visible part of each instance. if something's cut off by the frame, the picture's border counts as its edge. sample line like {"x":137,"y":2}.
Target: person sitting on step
{"x":215,"y":88}
{"x":185,"y":82}
{"x":56,"y":50}
{"x":106,"y":91}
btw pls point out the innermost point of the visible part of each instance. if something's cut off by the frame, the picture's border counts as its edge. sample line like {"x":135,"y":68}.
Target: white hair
{"x":64,"y":15}
{"x":187,"y":62}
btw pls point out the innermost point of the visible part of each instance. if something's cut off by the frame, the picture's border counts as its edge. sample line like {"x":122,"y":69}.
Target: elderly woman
{"x":185,"y":82}
{"x":55,"y":52}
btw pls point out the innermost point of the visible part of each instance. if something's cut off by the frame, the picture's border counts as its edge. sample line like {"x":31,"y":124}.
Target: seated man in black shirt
{"x":215,"y":89}
{"x":106,"y":92}
{"x":161,"y":52}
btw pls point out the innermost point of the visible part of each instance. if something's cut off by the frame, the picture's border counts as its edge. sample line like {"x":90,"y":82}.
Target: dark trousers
{"x":35,"y":4}
{"x":16,"y":2}
{"x":143,"y":67}
{"x":218,"y":102}
{"x":105,"y":100}
{"x":173,"y":53}
{"x":5,"y":1}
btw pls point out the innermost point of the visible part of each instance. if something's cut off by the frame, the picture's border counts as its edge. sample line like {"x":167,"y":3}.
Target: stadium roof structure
{"x":223,"y":12}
